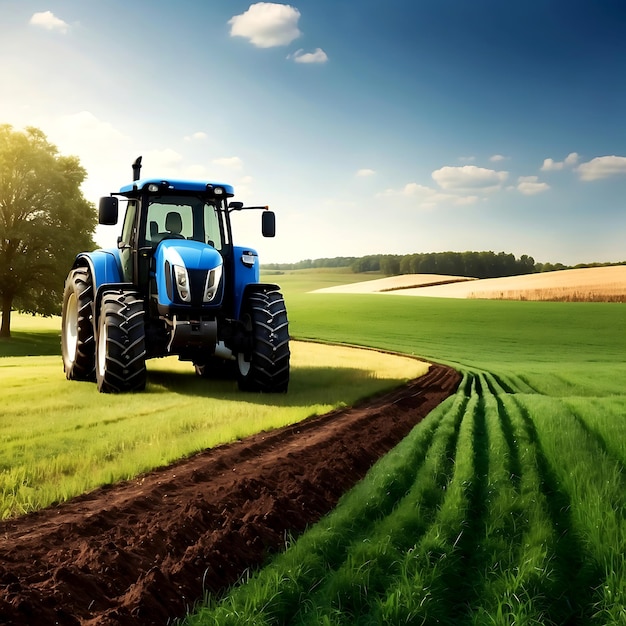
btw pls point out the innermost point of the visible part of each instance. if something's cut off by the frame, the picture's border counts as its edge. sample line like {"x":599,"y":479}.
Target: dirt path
{"x":142,"y":552}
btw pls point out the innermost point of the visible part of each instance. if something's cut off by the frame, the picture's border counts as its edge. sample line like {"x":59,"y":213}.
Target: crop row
{"x":502,"y":507}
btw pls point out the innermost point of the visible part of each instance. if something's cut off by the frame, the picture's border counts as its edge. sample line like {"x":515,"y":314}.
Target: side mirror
{"x":268,"y":224}
{"x":107,"y":211}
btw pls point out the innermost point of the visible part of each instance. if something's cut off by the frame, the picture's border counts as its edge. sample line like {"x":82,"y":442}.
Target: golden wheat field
{"x":595,"y":284}
{"x":394,"y":283}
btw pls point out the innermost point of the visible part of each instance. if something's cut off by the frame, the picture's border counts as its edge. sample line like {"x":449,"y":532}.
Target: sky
{"x":369,"y":127}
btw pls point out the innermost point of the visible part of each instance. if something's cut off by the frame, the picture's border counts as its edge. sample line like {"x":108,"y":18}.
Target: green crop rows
{"x":506,"y":505}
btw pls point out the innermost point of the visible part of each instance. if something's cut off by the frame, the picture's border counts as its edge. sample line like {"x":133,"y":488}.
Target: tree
{"x":390,"y":264}
{"x":44,"y":222}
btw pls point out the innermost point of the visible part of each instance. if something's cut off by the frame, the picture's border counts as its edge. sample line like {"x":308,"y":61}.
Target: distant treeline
{"x":475,"y":264}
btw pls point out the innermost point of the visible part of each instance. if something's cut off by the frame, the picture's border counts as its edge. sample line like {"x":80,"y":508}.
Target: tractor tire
{"x":120,"y":346}
{"x":77,"y":333}
{"x":265,"y":367}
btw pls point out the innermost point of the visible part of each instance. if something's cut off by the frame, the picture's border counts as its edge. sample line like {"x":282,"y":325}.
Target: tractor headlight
{"x":181,"y":278}
{"x":249,"y":258}
{"x":212,"y":283}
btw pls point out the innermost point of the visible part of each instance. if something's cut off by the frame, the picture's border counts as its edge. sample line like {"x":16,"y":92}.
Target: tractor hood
{"x":188,"y":274}
{"x":193,"y":255}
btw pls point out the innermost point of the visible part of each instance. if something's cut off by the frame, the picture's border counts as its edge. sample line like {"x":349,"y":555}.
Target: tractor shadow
{"x":308,"y":386}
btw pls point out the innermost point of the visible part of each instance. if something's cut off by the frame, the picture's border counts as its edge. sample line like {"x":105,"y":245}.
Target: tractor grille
{"x":197,"y":281}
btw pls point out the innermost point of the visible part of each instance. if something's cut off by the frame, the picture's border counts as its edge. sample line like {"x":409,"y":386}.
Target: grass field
{"x":60,"y":438}
{"x":505,"y":506}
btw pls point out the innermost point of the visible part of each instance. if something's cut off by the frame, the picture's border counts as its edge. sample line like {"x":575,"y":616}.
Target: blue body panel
{"x":243,"y":275}
{"x":104,"y":264}
{"x":176,"y":185}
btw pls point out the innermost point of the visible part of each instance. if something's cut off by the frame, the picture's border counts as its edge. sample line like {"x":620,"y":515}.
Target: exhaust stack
{"x":136,"y":168}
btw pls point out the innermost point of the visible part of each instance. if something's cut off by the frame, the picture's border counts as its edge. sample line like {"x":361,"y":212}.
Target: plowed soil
{"x":142,"y":552}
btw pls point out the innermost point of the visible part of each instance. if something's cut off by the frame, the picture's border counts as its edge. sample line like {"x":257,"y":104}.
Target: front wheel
{"x":121,"y":351}
{"x":77,"y":336}
{"x":264,"y":366}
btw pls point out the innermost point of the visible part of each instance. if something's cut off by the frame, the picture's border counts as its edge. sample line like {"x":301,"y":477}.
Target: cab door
{"x":127,"y":242}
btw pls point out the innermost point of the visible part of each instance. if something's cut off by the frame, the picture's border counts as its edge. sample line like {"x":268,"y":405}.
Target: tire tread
{"x":269,"y":363}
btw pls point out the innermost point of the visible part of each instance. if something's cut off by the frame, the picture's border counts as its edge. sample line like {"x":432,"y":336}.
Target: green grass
{"x":304,"y":281}
{"x":505,"y":506}
{"x":32,"y":336}
{"x":468,"y":332}
{"x":59,"y":438}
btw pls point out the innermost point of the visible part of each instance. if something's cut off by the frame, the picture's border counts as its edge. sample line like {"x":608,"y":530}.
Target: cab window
{"x":129,"y":223}
{"x":182,"y":217}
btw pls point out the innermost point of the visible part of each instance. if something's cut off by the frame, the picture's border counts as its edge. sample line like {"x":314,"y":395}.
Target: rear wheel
{"x":121,"y":351}
{"x":265,"y":365}
{"x":77,"y":335}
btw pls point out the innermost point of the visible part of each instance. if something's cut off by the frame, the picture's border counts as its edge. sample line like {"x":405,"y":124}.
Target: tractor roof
{"x":172,"y":185}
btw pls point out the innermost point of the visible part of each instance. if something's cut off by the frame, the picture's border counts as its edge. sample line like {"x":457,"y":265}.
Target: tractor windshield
{"x":182,"y":217}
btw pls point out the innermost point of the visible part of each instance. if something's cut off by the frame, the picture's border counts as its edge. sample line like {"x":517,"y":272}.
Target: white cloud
{"x":299,"y":56}
{"x":233,"y":163}
{"x":602,"y":167}
{"x":197,"y":172}
{"x":49,"y":21}
{"x":166,"y":161}
{"x":363,"y":173}
{"x":497,"y":157}
{"x":414,"y":189}
{"x":84,"y":128}
{"x":197,"y":136}
{"x":244,"y":189}
{"x":469,"y":177}
{"x":427,"y":197}
{"x":530,"y":185}
{"x":464,"y":200}
{"x":104,"y":151}
{"x":550,"y":165}
{"x":266,"y":24}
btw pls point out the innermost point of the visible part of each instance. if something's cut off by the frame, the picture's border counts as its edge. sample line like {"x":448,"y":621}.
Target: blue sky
{"x":369,"y":127}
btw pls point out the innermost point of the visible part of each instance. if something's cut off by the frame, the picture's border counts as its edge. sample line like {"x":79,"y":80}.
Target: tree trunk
{"x":5,"y":329}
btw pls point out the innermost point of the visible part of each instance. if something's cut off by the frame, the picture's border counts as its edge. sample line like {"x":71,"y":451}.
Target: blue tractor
{"x":176,"y":284}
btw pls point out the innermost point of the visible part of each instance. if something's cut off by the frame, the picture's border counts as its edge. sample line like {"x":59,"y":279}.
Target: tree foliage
{"x":44,"y":222}
{"x":474,"y":264}
{"x":486,"y":264}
